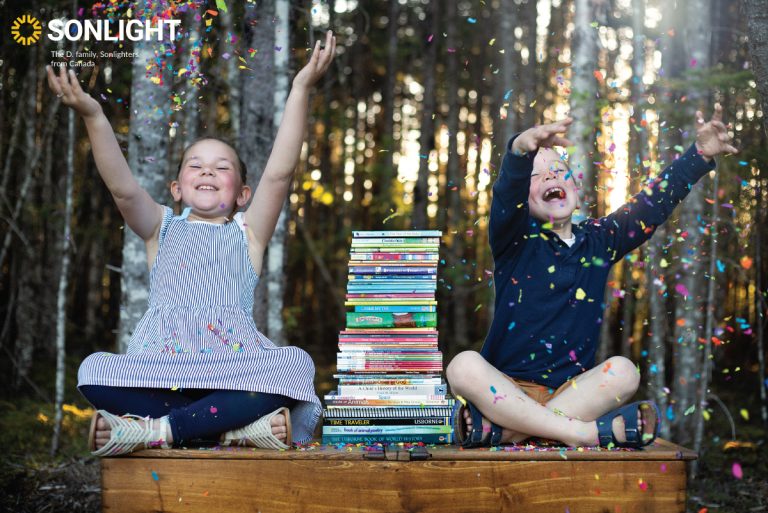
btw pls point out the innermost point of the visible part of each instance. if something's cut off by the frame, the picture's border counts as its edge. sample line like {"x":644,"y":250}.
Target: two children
{"x":536,"y":373}
{"x":197,"y":368}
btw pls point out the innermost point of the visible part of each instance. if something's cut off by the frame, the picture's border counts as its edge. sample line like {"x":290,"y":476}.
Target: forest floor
{"x":32,"y":481}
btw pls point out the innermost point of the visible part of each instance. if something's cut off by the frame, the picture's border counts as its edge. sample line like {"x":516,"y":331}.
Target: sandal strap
{"x":634,"y":437}
{"x":478,"y":437}
{"x":128,"y":435}
{"x":258,"y":433}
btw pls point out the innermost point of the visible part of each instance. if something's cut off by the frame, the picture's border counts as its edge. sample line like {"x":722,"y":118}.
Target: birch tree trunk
{"x":756,"y":12}
{"x":230,"y":66}
{"x":276,"y":253}
{"x":61,"y":300}
{"x":582,"y":102}
{"x":257,"y":114}
{"x":191,"y":110}
{"x":507,"y":90}
{"x":430,"y":35}
{"x":690,"y":290}
{"x":148,"y":148}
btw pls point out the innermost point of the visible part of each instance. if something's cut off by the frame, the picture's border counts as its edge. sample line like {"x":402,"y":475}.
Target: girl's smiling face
{"x":553,"y":195}
{"x":209,"y":180}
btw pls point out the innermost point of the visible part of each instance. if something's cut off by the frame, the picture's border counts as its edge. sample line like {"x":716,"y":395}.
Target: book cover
{"x":392,"y":320}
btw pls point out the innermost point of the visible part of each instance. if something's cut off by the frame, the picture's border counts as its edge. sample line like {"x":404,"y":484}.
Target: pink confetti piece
{"x":682,"y":290}
{"x":214,"y":410}
{"x":736,"y":469}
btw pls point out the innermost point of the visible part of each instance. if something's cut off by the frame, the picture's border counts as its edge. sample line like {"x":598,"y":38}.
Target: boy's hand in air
{"x":542,"y":136}
{"x":318,"y":63}
{"x":66,"y":87}
{"x":712,"y":137}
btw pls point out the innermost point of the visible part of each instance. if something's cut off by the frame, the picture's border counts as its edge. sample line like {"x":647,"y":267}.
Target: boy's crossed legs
{"x":568,"y":417}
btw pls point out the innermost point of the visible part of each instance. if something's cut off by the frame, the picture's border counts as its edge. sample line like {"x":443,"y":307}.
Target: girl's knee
{"x":625,"y":376}
{"x":463,"y":365}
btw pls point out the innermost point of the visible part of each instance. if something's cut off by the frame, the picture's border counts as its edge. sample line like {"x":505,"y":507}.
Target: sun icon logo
{"x":26,"y":30}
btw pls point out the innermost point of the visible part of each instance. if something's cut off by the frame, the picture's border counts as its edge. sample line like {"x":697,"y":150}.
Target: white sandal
{"x":127,"y":435}
{"x":259,"y":433}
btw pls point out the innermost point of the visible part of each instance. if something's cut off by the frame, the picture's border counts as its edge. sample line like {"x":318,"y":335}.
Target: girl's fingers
{"x":718,"y":115}
{"x":75,"y":82}
{"x":699,"y":119}
{"x":731,"y":149}
{"x":719,"y":125}
{"x":51,"y":80}
{"x":562,"y":141}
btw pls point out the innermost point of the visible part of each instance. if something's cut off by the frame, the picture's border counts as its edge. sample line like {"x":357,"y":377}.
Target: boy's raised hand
{"x":66,"y":87}
{"x":712,"y":137}
{"x":542,"y":136}
{"x":318,"y":63}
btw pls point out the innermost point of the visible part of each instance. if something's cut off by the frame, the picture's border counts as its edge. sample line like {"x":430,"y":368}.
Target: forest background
{"x":406,"y":132}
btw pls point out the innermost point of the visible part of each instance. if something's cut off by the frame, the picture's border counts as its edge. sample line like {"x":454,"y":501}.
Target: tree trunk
{"x":230,"y":67}
{"x":191,"y":112}
{"x":655,"y":279}
{"x":419,"y":220}
{"x":276,"y":254}
{"x":757,"y":29}
{"x":583,"y":105}
{"x":148,"y":160}
{"x":61,"y":300}
{"x":388,"y":172}
{"x":257,"y":114}
{"x":507,"y":91}
{"x":688,"y":312}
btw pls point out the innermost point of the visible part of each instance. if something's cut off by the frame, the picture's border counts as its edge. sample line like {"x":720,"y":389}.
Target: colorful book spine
{"x":393,"y":421}
{"x":392,"y":390}
{"x":392,"y":320}
{"x":433,"y":438}
{"x":396,"y":233}
{"x":386,"y":430}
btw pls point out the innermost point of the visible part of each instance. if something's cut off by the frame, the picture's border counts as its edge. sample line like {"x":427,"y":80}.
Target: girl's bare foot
{"x":104,"y":432}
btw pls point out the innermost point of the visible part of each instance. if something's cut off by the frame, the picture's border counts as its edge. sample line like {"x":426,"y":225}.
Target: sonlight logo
{"x":106,"y":30}
{"x":26,"y":30}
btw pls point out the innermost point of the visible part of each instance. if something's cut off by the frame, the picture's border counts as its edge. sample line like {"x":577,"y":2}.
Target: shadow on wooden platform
{"x":330,"y":479}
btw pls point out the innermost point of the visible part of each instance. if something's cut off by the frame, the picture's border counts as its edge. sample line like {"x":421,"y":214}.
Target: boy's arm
{"x":636,"y":220}
{"x":261,"y":216}
{"x":509,"y":208}
{"x":142,"y":214}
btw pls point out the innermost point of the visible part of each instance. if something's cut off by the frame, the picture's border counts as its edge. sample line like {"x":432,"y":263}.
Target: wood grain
{"x":338,"y":484}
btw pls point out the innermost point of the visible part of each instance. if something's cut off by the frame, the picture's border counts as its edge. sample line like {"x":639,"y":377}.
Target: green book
{"x":391,"y":320}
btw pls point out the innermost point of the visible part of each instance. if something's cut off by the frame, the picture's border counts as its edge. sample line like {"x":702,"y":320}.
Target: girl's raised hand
{"x":318,"y":63}
{"x":67,"y":88}
{"x":542,"y":136}
{"x":712,"y":137}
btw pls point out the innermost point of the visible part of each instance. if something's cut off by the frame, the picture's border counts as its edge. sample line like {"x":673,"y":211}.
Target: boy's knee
{"x":625,"y":375}
{"x":463,"y":365}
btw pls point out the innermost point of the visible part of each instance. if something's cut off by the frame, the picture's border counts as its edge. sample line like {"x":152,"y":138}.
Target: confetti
{"x":155,"y":476}
{"x":736,"y":470}
{"x":580,"y":294}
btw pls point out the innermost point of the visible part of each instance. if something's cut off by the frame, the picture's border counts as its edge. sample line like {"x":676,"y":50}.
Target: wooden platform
{"x":327,"y":479}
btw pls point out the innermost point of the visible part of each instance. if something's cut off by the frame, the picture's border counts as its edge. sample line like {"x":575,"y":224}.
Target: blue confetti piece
{"x":155,"y":476}
{"x":720,"y":266}
{"x":472,"y":20}
{"x":743,"y":163}
{"x":511,"y":325}
{"x":670,"y":413}
{"x":493,"y":389}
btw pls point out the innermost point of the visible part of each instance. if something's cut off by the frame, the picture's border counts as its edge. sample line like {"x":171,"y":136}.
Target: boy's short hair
{"x":243,"y":169}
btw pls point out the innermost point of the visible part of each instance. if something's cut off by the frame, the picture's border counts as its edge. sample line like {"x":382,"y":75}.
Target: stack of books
{"x":389,"y":366}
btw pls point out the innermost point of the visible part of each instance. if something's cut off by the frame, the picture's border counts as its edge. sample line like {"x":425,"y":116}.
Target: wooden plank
{"x":661,"y":450}
{"x":334,"y":485}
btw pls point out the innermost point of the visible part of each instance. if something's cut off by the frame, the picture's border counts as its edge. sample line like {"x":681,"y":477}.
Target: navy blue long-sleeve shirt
{"x":549,"y":297}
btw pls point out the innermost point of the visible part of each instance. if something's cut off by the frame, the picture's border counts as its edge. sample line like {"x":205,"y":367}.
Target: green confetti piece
{"x":690,"y":410}
{"x":221,"y":5}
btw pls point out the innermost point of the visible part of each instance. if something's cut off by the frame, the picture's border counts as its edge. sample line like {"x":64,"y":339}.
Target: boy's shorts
{"x":540,"y":393}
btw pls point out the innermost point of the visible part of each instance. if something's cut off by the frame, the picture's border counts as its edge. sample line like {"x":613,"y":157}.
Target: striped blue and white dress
{"x":199,"y":330}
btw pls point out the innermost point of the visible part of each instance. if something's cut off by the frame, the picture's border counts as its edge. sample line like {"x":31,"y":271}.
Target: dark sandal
{"x":635,"y":438}
{"x":476,"y":437}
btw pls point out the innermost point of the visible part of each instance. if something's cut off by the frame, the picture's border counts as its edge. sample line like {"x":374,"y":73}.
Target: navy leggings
{"x":195,"y":415}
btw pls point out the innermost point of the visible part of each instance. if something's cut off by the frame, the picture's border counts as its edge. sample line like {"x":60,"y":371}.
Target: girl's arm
{"x":261,"y":216}
{"x":142,"y":214}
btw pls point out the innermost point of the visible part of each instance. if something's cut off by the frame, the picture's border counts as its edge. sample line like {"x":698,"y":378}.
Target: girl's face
{"x":553,"y":195}
{"x":209,"y":180}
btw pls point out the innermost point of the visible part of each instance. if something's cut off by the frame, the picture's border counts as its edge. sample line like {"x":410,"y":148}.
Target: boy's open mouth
{"x":555,"y":193}
{"x":206,"y":188}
